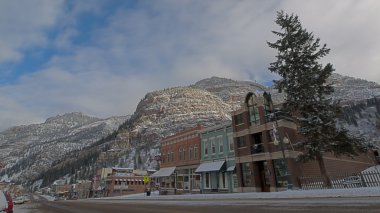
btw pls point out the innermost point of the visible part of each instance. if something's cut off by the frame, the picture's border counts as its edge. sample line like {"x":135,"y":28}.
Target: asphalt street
{"x":309,"y":205}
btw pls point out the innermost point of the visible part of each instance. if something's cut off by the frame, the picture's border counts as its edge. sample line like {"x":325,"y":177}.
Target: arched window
{"x":267,"y":105}
{"x":254,"y":117}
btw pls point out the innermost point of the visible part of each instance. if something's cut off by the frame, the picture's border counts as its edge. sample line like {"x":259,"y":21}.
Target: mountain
{"x":209,"y":102}
{"x":165,"y":112}
{"x":350,"y":90}
{"x":28,"y":150}
{"x":233,"y":92}
{"x":361,"y":106}
{"x":159,"y":114}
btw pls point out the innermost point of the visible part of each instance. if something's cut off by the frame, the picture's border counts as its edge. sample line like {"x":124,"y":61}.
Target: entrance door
{"x":264,"y":180}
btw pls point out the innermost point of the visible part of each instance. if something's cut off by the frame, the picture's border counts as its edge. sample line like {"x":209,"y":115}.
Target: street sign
{"x":146,"y":179}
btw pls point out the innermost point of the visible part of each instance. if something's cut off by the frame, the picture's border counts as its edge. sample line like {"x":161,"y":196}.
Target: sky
{"x":101,"y":57}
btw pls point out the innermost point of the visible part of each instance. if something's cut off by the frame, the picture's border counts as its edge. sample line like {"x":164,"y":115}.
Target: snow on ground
{"x":373,"y":169}
{"x":352,"y":192}
{"x":47,"y":197}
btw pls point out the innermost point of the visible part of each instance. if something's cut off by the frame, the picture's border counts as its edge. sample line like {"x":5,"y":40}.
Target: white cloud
{"x":350,"y":30}
{"x":13,"y":113}
{"x":160,"y":44}
{"x":22,"y":25}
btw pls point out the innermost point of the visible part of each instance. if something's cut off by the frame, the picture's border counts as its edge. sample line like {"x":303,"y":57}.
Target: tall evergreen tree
{"x":304,"y":80}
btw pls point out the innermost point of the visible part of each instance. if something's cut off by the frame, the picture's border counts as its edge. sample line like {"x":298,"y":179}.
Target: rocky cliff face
{"x":166,"y":112}
{"x":180,"y":107}
{"x":230,"y":91}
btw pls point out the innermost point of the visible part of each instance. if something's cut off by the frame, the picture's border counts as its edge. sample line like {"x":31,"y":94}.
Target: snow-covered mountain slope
{"x":26,"y":151}
{"x":165,"y":112}
{"x":352,"y":90}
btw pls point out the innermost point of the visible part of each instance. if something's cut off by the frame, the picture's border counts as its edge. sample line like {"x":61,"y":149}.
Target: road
{"x":309,"y":205}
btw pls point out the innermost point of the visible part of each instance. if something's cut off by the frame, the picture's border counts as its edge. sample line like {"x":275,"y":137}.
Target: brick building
{"x":259,"y":158}
{"x":61,"y":188}
{"x":124,"y":181}
{"x":180,"y":157}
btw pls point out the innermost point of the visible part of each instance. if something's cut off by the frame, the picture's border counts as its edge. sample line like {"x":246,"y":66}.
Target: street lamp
{"x":268,"y":98}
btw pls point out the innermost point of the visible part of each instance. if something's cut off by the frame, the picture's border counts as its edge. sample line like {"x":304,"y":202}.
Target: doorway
{"x":264,"y":179}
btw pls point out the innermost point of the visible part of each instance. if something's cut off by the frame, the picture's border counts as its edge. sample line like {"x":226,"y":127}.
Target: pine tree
{"x":304,"y":82}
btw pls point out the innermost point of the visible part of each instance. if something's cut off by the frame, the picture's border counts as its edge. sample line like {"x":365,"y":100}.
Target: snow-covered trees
{"x":304,"y":80}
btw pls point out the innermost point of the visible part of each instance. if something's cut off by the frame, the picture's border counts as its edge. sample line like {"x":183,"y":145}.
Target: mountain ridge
{"x":135,"y":143}
{"x":25,"y":147}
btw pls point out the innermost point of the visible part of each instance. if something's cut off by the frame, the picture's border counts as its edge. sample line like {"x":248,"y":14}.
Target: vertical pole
{"x":268,"y":97}
{"x":190,"y":180}
{"x":175,"y":183}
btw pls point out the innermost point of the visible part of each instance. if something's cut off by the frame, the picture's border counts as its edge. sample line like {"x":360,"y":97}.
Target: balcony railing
{"x":257,"y":148}
{"x":280,"y":115}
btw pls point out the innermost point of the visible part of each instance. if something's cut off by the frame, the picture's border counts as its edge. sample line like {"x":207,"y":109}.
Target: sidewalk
{"x":354,"y":192}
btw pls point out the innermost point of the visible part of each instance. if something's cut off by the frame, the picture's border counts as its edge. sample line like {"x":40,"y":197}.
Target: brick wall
{"x":339,"y":166}
{"x":125,"y":185}
{"x":185,"y":139}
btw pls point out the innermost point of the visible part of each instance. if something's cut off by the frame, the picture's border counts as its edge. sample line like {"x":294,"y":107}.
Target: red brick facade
{"x":182,"y":151}
{"x":185,"y":140}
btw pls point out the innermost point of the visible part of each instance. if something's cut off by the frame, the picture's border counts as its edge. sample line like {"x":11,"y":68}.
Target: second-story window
{"x":190,"y":152}
{"x":184,"y":153}
{"x":205,"y":144}
{"x":213,"y":146}
{"x":219,"y":140}
{"x":254,"y":117}
{"x":239,"y":119}
{"x":196,"y":151}
{"x":180,"y":153}
{"x":230,"y":140}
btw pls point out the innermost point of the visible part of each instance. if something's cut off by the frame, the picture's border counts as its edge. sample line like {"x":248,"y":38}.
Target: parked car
{"x":4,"y":203}
{"x":27,"y":198}
{"x":10,"y":202}
{"x":19,"y":200}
